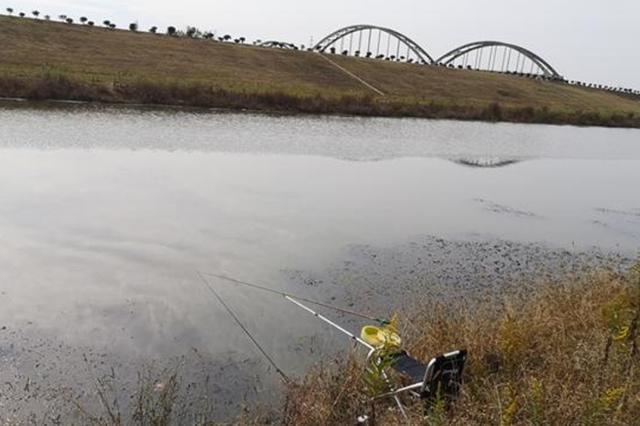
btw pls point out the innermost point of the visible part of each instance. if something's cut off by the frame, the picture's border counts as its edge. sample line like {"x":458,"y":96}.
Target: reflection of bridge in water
{"x":487,"y":163}
{"x":383,"y":43}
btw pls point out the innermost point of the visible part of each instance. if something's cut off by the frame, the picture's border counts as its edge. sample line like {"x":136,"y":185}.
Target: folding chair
{"x":440,"y":379}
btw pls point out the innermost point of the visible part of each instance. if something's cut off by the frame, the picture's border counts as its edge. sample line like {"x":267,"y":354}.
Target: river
{"x":107,"y":214}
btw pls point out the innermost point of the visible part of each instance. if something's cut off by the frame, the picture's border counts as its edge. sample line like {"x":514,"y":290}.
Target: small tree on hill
{"x":191,"y":32}
{"x":35,"y":13}
{"x":10,"y":10}
{"x":133,"y":27}
{"x":112,"y":26}
{"x":83,"y":19}
{"x":91,"y":23}
{"x":69,"y":21}
{"x":171,"y":31}
{"x":226,"y":37}
{"x":153,"y":30}
{"x":47,"y":17}
{"x":106,"y":23}
{"x":21,"y":14}
{"x":62,"y":17}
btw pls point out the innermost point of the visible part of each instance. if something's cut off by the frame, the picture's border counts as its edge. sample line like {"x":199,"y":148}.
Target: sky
{"x":591,"y":40}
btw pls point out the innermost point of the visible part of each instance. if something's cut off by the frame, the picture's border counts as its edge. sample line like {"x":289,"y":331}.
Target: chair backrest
{"x":443,"y":377}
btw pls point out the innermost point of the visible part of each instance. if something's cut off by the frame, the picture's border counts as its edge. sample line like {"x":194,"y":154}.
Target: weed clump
{"x":562,"y":353}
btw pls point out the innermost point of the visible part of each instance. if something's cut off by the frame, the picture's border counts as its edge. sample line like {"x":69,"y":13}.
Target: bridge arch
{"x":506,"y":56}
{"x":375,"y":42}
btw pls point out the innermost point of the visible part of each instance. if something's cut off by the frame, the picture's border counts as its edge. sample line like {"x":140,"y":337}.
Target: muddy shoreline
{"x":43,"y":379}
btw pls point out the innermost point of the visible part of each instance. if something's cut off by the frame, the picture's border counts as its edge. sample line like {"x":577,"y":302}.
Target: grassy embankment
{"x":564,"y":353}
{"x":49,"y":60}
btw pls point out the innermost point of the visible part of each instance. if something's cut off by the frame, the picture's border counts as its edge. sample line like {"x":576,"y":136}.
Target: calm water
{"x":107,"y":214}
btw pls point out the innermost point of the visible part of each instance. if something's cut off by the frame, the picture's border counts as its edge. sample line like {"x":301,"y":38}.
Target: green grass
{"x":50,"y":60}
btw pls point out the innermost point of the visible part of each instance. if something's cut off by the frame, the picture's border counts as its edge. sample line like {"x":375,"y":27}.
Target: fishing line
{"x":302,"y":299}
{"x":246,"y":331}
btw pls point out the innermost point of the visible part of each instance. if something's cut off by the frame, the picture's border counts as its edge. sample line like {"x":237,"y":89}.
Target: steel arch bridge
{"x":380,"y":43}
{"x":500,"y":57}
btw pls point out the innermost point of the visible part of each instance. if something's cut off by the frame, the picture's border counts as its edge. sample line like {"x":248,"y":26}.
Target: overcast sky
{"x":590,"y":40}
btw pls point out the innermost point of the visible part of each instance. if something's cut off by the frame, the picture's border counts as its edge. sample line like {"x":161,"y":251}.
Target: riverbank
{"x":563,"y":353}
{"x":519,"y":310}
{"x":55,"y":61}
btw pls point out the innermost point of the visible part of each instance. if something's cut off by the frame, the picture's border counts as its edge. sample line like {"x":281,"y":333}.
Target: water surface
{"x":106,"y":215}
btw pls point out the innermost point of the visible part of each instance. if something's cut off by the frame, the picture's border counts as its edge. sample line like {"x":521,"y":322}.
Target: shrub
{"x":133,"y":27}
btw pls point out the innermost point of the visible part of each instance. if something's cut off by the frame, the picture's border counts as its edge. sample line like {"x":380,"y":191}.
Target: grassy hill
{"x":50,"y":60}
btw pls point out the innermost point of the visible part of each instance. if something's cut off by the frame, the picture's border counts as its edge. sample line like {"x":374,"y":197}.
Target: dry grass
{"x":565,"y":354}
{"x":49,"y":60}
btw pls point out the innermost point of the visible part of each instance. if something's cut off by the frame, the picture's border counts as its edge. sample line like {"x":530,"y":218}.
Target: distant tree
{"x":357,"y":53}
{"x":69,"y":21}
{"x":332,"y":50}
{"x":112,"y":26}
{"x":369,"y":54}
{"x":10,"y":10}
{"x":47,"y":17}
{"x":153,"y":30}
{"x":21,"y":14}
{"x":62,"y":17}
{"x":236,"y":40}
{"x":345,"y":52}
{"x":191,"y":32}
{"x":220,"y":38}
{"x":226,"y":37}
{"x":35,"y":13}
{"x":106,"y":23}
{"x":171,"y":31}
{"x":91,"y":23}
{"x":83,"y":19}
{"x":242,"y":40}
{"x":133,"y":27}
{"x":208,"y":35}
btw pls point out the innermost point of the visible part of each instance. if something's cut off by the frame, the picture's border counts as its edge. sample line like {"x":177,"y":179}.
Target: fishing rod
{"x":244,"y":329}
{"x":298,"y":302}
{"x":288,"y":296}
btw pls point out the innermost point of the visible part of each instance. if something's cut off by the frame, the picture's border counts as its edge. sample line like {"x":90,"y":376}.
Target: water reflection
{"x":486,"y":163}
{"x":106,"y":215}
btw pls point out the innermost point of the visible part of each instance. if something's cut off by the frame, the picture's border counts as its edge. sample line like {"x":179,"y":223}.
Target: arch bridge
{"x":498,"y":57}
{"x":374,"y":42}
